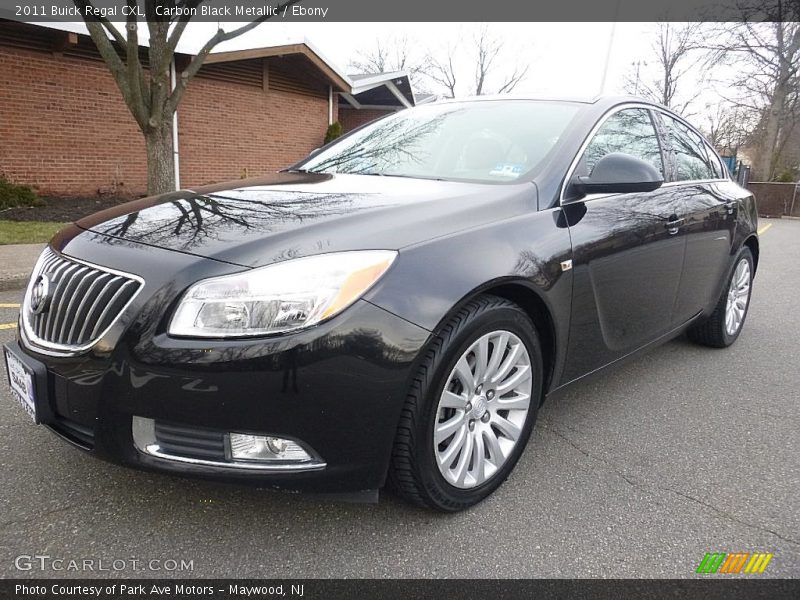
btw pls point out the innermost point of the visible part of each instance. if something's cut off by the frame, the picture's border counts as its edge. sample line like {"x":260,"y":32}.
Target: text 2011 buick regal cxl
{"x":394,"y":307}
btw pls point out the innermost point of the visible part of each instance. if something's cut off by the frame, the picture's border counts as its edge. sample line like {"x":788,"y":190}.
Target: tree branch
{"x":109,"y":26}
{"x":180,"y":26}
{"x":118,"y":68}
{"x":197,"y":62}
{"x":444,"y":74}
{"x":512,"y":81}
{"x":134,"y":71}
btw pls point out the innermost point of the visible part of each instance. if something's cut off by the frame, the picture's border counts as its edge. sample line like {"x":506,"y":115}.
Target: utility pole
{"x":610,"y":46}
{"x":608,"y":56}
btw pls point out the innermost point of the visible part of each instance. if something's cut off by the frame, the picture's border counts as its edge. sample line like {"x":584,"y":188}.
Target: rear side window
{"x":692,"y":157}
{"x":630,"y":131}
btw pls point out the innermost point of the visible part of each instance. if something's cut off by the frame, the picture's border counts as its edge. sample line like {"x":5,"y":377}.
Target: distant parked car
{"x":395,"y":306}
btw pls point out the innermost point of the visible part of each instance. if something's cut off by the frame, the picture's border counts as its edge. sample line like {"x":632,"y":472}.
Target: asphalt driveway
{"x":637,"y":473}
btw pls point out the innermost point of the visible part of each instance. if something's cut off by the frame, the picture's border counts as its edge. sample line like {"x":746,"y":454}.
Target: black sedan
{"x":393,"y":308}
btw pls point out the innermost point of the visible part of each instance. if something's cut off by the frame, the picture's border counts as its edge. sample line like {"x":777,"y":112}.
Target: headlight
{"x":278,"y":298}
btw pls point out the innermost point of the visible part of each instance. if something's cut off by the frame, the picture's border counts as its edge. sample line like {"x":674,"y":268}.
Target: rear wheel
{"x":471,"y":407}
{"x":724,"y":325}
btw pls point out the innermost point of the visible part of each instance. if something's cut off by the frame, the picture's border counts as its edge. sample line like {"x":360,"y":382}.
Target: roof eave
{"x":340,"y":82}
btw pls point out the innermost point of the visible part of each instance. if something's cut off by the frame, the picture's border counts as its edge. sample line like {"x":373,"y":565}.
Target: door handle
{"x":673,"y":225}
{"x":730,"y":206}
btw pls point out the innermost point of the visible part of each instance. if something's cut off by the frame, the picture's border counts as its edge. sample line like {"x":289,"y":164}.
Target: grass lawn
{"x":27,"y":232}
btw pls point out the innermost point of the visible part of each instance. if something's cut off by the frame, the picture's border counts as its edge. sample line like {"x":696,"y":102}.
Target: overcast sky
{"x":566,"y":59}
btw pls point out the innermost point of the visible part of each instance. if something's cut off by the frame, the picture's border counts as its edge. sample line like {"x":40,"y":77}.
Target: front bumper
{"x":338,"y":387}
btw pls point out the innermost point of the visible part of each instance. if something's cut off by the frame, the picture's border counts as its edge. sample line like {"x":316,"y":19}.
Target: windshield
{"x":492,"y":141}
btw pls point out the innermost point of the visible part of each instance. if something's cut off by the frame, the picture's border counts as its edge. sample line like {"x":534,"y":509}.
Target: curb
{"x":16,"y":264}
{"x":13,"y":282}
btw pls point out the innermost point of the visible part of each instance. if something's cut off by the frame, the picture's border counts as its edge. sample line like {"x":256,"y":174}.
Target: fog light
{"x":264,"y":447}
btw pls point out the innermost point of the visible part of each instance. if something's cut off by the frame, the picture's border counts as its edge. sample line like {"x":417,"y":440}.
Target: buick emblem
{"x":40,"y":295}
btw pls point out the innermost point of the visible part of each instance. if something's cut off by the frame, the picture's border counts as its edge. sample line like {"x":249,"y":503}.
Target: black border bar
{"x":423,"y":10}
{"x":408,"y":589}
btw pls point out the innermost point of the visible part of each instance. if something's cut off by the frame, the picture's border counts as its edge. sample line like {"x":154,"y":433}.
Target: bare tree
{"x":672,"y":54}
{"x":488,"y":48}
{"x":374,"y":60}
{"x":728,"y":127}
{"x":388,"y":55}
{"x":147,"y":90}
{"x":486,"y":52}
{"x":443,"y":71}
{"x":766,"y":57}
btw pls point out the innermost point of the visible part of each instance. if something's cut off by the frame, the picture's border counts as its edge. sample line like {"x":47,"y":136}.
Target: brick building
{"x":65,"y":129}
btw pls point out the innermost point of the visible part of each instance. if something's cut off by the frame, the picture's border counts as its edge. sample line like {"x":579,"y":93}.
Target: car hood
{"x":288,"y":215}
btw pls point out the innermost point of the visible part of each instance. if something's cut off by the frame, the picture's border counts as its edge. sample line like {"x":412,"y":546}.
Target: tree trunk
{"x":766,"y":162}
{"x":160,"y":162}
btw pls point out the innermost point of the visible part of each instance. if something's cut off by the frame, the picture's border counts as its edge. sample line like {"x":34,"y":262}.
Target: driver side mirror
{"x":619,"y":173}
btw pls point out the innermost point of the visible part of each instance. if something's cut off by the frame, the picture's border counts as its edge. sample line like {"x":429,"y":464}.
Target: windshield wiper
{"x":298,"y":171}
{"x":430,"y":178}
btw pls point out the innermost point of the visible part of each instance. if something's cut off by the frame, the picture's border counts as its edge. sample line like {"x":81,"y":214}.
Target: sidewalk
{"x":16,"y":264}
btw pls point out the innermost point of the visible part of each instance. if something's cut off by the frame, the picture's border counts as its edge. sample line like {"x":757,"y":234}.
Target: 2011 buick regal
{"x":396,"y":306}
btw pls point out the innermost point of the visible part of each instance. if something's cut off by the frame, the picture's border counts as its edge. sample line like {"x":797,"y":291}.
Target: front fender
{"x":431,"y":280}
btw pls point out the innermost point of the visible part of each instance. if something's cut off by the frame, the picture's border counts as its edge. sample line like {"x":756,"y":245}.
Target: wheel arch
{"x":752,"y":243}
{"x":412,"y":468}
{"x":532,"y":302}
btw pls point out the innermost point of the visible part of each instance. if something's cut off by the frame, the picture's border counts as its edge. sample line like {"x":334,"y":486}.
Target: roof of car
{"x":604,"y":99}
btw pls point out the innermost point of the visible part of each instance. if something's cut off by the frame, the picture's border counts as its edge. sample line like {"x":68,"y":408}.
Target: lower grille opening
{"x":80,"y":435}
{"x":191,"y":442}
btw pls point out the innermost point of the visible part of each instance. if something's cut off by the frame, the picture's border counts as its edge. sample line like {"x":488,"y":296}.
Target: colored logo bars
{"x":741,"y":562}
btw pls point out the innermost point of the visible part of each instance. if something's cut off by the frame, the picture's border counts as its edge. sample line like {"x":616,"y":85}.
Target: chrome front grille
{"x":70,"y":304}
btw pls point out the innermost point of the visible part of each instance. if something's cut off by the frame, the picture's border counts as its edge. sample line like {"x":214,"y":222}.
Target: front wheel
{"x":724,"y":325}
{"x":471,"y":407}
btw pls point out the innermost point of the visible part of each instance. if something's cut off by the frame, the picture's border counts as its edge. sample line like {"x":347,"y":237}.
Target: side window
{"x":630,"y":131}
{"x":689,"y":150}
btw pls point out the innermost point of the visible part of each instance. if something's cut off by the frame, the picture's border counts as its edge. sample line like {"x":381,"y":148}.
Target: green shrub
{"x":787,"y":176}
{"x":334,"y":131}
{"x":13,"y":195}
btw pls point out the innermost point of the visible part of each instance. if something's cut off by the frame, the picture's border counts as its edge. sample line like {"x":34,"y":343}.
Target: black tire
{"x":712,"y":331}
{"x":414,"y":473}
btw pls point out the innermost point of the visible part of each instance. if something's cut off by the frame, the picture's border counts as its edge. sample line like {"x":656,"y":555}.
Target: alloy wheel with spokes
{"x":722,"y":327}
{"x":738,"y":297}
{"x":470,"y":408}
{"x":482,"y":409}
